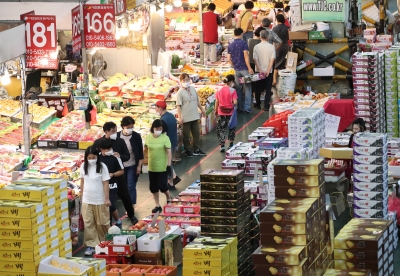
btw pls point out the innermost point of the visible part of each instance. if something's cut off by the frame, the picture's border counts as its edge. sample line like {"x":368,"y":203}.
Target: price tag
{"x":76,"y":29}
{"x":99,"y":27}
{"x":118,"y":249}
{"x":119,"y":6}
{"x":41,"y":42}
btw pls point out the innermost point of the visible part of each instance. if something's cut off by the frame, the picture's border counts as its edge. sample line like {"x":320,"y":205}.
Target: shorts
{"x":113,"y":196}
{"x":158,"y":182}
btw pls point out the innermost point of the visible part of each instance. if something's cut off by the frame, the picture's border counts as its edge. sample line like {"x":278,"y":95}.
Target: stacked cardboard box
{"x":369,"y":97}
{"x":307,"y":130}
{"x":370,"y":165}
{"x":391,"y":91}
{"x":225,"y":211}
{"x":32,"y":225}
{"x":347,"y":272}
{"x":295,"y":222}
{"x":366,"y":244}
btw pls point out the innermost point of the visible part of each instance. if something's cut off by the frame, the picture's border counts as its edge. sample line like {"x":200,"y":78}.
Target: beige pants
{"x":97,"y":221}
{"x":210,"y":52}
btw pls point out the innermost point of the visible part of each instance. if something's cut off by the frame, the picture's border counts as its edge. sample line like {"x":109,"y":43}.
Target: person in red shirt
{"x":211,"y":21}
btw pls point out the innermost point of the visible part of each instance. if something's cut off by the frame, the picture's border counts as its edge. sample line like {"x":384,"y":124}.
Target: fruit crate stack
{"x":366,"y":244}
{"x":369,"y":97}
{"x":33,"y":226}
{"x":370,"y":177}
{"x":391,"y":91}
{"x":293,"y":227}
{"x":225,"y":211}
{"x":307,"y":130}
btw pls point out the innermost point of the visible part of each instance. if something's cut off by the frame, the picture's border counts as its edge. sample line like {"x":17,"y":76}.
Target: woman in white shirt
{"x":95,"y":199}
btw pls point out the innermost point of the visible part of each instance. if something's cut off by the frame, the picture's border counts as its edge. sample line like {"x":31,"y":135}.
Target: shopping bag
{"x":93,"y":113}
{"x":233,"y":119}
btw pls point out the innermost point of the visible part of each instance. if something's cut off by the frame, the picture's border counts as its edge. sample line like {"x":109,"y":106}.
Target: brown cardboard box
{"x":336,"y":153}
{"x":286,"y":227}
{"x":374,"y":266}
{"x":299,"y":180}
{"x":148,"y":258}
{"x":283,"y":270}
{"x":346,"y":240}
{"x":300,"y":191}
{"x":285,"y":239}
{"x":365,"y":229}
{"x":372,"y":222}
{"x":357,"y":254}
{"x":222,"y":176}
{"x":343,"y":272}
{"x":291,"y":61}
{"x":299,"y":167}
{"x":292,"y":213}
{"x":291,"y":255}
{"x":296,"y":201}
{"x":298,"y":35}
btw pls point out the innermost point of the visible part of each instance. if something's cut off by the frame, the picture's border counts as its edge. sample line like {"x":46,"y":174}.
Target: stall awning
{"x":12,"y":37}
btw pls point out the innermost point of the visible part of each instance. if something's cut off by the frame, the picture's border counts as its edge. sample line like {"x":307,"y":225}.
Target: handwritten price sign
{"x":76,"y":29}
{"x":331,"y":125}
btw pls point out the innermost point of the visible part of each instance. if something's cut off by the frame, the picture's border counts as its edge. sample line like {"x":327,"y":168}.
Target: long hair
{"x":91,"y":150}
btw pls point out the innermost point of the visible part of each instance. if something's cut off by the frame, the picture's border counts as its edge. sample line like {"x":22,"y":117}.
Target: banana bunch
{"x":230,"y":71}
{"x":214,"y":79}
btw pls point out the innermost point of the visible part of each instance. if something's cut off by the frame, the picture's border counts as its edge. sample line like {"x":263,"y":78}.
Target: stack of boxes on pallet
{"x":370,"y":165}
{"x":293,"y":227}
{"x":391,"y":91}
{"x":366,"y":244}
{"x":369,"y":97}
{"x":34,"y":224}
{"x":225,"y":211}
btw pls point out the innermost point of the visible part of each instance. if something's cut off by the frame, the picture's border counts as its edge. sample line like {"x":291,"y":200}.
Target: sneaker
{"x":156,"y":209}
{"x":89,"y":251}
{"x":189,"y":153}
{"x":133,"y":220}
{"x":118,"y":224}
{"x":222,"y":149}
{"x":199,"y":152}
{"x":176,"y":180}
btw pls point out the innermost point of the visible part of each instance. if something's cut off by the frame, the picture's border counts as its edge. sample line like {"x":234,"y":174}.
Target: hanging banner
{"x":99,"y":26}
{"x":41,"y":42}
{"x":323,"y":10}
{"x":76,"y":29}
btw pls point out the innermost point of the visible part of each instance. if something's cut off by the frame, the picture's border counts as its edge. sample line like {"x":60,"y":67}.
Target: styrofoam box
{"x":46,"y":268}
{"x":144,"y":242}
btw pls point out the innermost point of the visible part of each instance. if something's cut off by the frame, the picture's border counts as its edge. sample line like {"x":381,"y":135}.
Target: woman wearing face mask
{"x":188,"y":103}
{"x":95,"y":199}
{"x":133,"y":166}
{"x":158,"y":148}
{"x":225,"y":101}
{"x":115,"y":170}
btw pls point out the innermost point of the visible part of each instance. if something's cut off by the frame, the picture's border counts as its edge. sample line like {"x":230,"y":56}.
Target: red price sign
{"x":76,"y":29}
{"x":119,"y":6}
{"x":41,"y":42}
{"x":99,"y":28}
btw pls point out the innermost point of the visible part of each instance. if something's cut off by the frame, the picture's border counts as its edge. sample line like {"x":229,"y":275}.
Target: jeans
{"x":131,"y":179}
{"x":191,"y":127}
{"x":247,"y":35}
{"x":248,"y":97}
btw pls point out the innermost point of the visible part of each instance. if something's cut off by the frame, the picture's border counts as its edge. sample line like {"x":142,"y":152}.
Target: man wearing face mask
{"x":119,"y":150}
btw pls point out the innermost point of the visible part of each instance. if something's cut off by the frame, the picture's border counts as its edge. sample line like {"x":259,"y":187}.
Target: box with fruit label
{"x":34,"y":193}
{"x":98,"y":265}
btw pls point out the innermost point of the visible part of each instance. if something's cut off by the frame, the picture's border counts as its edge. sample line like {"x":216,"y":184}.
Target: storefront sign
{"x":119,"y":6}
{"x":22,"y":16}
{"x":99,"y":26}
{"x":323,"y":10}
{"x":76,"y":29}
{"x":41,"y":42}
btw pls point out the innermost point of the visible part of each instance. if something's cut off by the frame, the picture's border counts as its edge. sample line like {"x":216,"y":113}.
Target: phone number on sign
{"x":100,"y":37}
{"x":90,"y":44}
{"x":38,"y":64}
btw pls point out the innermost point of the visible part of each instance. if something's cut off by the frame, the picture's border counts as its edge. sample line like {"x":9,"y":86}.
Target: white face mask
{"x":113,"y":136}
{"x":157,"y":132}
{"x":185,"y":84}
{"x":109,"y":153}
{"x":92,"y":161}
{"x":128,"y":131}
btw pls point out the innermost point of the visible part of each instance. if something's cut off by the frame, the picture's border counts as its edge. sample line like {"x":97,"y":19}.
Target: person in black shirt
{"x":120,"y":150}
{"x":115,"y":169}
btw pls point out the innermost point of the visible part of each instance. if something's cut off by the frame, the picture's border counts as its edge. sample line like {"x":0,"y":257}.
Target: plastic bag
{"x":164,"y":59}
{"x":233,"y":119}
{"x":394,"y":203}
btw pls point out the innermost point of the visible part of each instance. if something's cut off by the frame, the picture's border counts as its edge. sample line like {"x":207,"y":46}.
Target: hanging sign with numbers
{"x":99,"y":26}
{"x":119,"y":6}
{"x":76,"y":29}
{"x":41,"y":42}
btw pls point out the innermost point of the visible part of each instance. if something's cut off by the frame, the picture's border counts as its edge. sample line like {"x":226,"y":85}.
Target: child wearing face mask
{"x":158,"y":148}
{"x":225,"y":102}
{"x":95,"y":199}
{"x":115,"y":170}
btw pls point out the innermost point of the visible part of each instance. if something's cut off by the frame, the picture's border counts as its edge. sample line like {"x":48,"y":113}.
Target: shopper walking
{"x":211,"y":21}
{"x":95,"y":199}
{"x":133,"y":166}
{"x":188,"y":104}
{"x":238,"y":57}
{"x":157,"y":147}
{"x":245,"y":21}
{"x":274,"y":12}
{"x":171,"y":130}
{"x":119,"y":150}
{"x":273,"y":38}
{"x":115,"y":169}
{"x":264,"y":57}
{"x":256,"y":88}
{"x":283,"y":32}
{"x":225,"y":102}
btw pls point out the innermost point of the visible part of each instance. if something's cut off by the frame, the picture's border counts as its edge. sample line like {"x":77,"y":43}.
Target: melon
{"x":101,"y":106}
{"x":175,"y":61}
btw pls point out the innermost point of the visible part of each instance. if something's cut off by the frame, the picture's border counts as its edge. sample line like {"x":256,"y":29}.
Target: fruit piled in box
{"x":116,"y":81}
{"x":92,"y":134}
{"x":71,"y":134}
{"x":39,"y":113}
{"x":10,"y":159}
{"x":51,"y":134}
{"x":182,"y":207}
{"x":181,"y":220}
{"x":14,"y":135}
{"x":121,"y":245}
{"x":204,"y":93}
{"x":9,"y":107}
{"x":54,"y":265}
{"x":137,"y":84}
